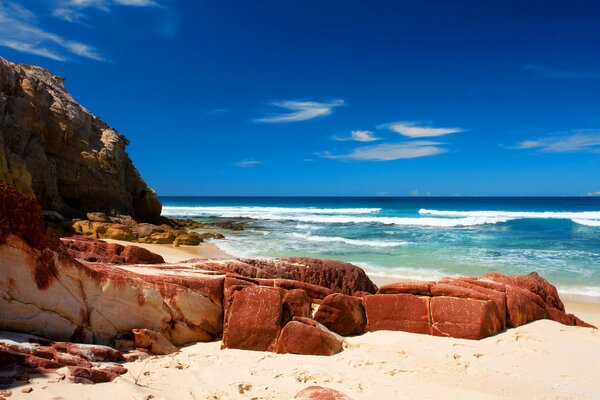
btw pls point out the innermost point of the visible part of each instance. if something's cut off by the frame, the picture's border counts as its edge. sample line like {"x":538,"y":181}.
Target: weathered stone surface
{"x":342,"y":314}
{"x":464,"y":318}
{"x":397,"y":312}
{"x":418,"y":288}
{"x":93,"y":250}
{"x":21,"y":355}
{"x":534,"y":283}
{"x":46,"y":292}
{"x":337,"y":276}
{"x":153,"y":341}
{"x":56,"y":150}
{"x":254,"y":319}
{"x":320,"y":393}
{"x":296,"y":303}
{"x":307,"y":336}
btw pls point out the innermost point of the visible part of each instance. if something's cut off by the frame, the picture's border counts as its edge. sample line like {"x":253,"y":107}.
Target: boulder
{"x":464,"y":318}
{"x":397,"y":312}
{"x":307,"y":336}
{"x":254,"y":319}
{"x":55,"y":150}
{"x":342,"y":314}
{"x":94,"y":250}
{"x":320,"y":393}
{"x":337,"y":276}
{"x":153,"y":341}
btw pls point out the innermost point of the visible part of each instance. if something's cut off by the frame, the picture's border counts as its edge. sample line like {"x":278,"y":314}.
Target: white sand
{"x":541,"y":360}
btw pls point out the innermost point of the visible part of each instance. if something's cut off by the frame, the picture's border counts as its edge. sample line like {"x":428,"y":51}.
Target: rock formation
{"x":53,"y":149}
{"x":22,"y":355}
{"x":253,"y":304}
{"x":320,"y":393}
{"x":92,"y":250}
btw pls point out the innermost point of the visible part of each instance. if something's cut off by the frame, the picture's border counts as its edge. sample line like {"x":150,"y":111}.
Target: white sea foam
{"x":587,"y":222}
{"x":406,"y":221}
{"x":327,"y":216}
{"x":585,"y":215}
{"x":254,"y":212}
{"x":353,"y":242}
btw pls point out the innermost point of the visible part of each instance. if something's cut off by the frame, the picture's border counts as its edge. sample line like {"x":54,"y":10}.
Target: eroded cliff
{"x":55,"y":150}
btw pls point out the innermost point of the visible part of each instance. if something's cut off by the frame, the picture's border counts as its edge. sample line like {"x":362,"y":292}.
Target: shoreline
{"x":542,"y":359}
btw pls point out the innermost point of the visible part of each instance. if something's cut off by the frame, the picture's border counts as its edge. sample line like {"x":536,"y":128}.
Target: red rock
{"x":342,"y":314}
{"x":154,"y":341}
{"x":397,"y":312}
{"x":254,"y":319}
{"x":94,"y":250}
{"x":320,"y":393}
{"x":306,"y":336}
{"x":335,"y":275}
{"x":534,"y":283}
{"x":464,"y":318}
{"x":21,"y":355}
{"x":567,"y":319}
{"x":523,"y":306}
{"x":465,"y":289}
{"x":418,"y":288}
{"x":296,"y":303}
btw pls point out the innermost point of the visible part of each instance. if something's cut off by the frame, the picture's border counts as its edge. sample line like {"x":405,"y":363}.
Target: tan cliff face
{"x":55,"y":150}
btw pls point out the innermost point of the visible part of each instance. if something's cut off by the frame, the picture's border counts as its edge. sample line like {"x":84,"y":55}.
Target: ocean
{"x":418,"y":237}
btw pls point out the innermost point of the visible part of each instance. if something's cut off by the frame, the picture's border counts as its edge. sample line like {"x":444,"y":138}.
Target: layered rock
{"x":24,"y":355}
{"x":53,"y":149}
{"x":92,"y":250}
{"x":46,"y":292}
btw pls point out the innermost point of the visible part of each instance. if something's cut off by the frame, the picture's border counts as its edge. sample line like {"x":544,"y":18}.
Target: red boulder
{"x":254,"y":319}
{"x":306,"y":336}
{"x":342,"y":314}
{"x":464,"y":318}
{"x":397,"y":312}
{"x":320,"y":393}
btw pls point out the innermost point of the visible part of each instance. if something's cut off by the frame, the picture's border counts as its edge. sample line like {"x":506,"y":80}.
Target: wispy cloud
{"x":562,"y":74}
{"x":20,"y":30}
{"x":575,"y":142}
{"x":388,"y":152}
{"x":247,"y":163}
{"x":594,"y":193}
{"x":357,"y":136}
{"x":300,"y":111}
{"x":74,"y":10}
{"x":414,"y":130}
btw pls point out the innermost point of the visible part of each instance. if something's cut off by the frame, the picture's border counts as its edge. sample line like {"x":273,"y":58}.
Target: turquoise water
{"x":420,"y":238}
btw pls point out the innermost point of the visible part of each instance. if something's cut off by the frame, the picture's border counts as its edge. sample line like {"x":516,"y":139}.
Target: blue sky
{"x":333,"y":98}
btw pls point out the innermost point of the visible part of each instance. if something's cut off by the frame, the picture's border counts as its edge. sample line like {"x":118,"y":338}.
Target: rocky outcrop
{"x":320,"y":393}
{"x":44,"y":291}
{"x":254,"y":304}
{"x":338,"y":276}
{"x":23,"y":355}
{"x":56,"y":150}
{"x":93,"y":250}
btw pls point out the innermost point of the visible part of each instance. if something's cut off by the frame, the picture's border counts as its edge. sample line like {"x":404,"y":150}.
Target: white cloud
{"x":594,"y":193}
{"x":301,"y":111}
{"x":247,"y":163}
{"x":357,"y":136}
{"x":576,"y":142}
{"x":73,"y":10}
{"x":412,"y":130}
{"x":388,"y":152}
{"x":19,"y":31}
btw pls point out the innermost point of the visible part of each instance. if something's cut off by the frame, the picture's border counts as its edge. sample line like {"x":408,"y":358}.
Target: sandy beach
{"x":542,"y":360}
